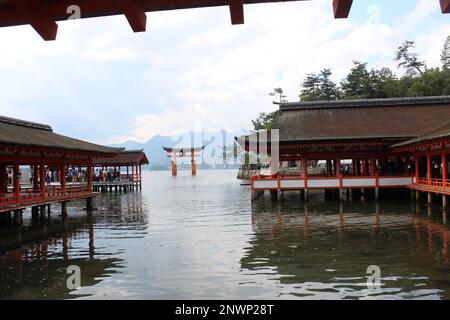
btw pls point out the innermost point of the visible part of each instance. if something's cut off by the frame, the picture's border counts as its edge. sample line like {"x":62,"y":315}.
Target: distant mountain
{"x":160,"y":161}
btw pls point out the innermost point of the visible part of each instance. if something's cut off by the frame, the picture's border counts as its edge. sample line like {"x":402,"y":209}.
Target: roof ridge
{"x":24,"y":123}
{"x":358,"y":103}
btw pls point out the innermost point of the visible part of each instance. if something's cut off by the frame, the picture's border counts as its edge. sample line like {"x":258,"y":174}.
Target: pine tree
{"x":445,"y":56}
{"x":278,"y":92}
{"x":319,"y":87}
{"x":311,"y":88}
{"x":354,"y":86}
{"x":409,"y":60}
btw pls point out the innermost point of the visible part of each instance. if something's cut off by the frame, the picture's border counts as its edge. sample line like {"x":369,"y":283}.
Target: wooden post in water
{"x":42,"y":211}
{"x":17,"y":217}
{"x":89,"y":206}
{"x":193,"y":165}
{"x":174,"y":168}
{"x":64,"y":209}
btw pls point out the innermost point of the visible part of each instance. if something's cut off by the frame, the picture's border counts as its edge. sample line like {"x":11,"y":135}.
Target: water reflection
{"x":318,"y":250}
{"x":202,"y":238}
{"x":34,"y":258}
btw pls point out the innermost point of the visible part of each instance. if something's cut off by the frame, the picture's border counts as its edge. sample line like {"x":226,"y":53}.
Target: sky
{"x":192,"y":69}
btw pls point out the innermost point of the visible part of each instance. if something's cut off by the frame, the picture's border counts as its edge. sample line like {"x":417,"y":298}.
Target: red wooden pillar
{"x":354,"y":167}
{"x":337,"y":167}
{"x":429,"y":168}
{"x":406,"y":169}
{"x":416,"y":167}
{"x":372,"y":167}
{"x":35,"y":177}
{"x":90,"y":175}
{"x":16,"y":175}
{"x":444,"y":168}
{"x":304,"y":168}
{"x":62,"y":170}
{"x":3,"y":179}
{"x":174,"y":165}
{"x":329,"y":168}
{"x":193,"y":165}
{"x":42,"y":178}
{"x":132,"y":172}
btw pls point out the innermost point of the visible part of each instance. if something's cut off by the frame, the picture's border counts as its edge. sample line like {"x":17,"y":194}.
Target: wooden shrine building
{"x":108,"y":175}
{"x":60,"y":168}
{"x":174,"y":153}
{"x":431,"y":153}
{"x":42,"y":15}
{"x":357,"y":144}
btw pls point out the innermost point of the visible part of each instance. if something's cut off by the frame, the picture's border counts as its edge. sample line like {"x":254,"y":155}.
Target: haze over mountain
{"x":214,"y":142}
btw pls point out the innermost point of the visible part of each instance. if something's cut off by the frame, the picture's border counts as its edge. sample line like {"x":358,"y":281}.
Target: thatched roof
{"x":442,"y":133}
{"x":397,"y":119}
{"x":127,"y":157}
{"x":17,"y":132}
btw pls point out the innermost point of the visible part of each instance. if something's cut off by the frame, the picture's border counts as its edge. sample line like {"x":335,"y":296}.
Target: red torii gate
{"x":43,"y":14}
{"x":175,"y":153}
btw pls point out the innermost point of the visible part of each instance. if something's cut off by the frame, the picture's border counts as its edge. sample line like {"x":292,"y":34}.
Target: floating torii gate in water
{"x":174,"y":153}
{"x":43,"y":14}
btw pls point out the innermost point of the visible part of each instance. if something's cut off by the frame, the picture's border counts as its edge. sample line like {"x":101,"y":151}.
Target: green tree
{"x":382,"y":83}
{"x":265,"y":121}
{"x":355,"y":85}
{"x":434,"y":82}
{"x":445,"y":55}
{"x":278,"y":92}
{"x":409,"y":60}
{"x":328,"y":89}
{"x":319,"y":87}
{"x":311,"y":88}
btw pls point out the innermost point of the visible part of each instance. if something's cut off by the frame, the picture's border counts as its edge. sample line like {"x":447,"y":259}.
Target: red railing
{"x":434,"y":182}
{"x":53,"y":192}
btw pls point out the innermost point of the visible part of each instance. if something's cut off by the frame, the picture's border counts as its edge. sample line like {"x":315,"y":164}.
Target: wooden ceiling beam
{"x":135,"y":14}
{"x":236,"y":11}
{"x":342,"y":8}
{"x":445,"y":6}
{"x":32,"y":12}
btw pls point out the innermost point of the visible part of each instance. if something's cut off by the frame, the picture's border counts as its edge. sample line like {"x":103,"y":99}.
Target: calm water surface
{"x":201,"y":238}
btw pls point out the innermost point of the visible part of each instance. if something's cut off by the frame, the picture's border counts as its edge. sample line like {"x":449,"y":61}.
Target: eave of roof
{"x":387,"y":102}
{"x":20,"y":133}
{"x":441,"y":133}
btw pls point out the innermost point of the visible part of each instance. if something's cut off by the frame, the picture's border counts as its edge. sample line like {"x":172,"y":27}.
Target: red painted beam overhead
{"x":236,"y":11}
{"x":43,"y":14}
{"x":445,"y":6}
{"x":31,"y":12}
{"x":342,"y":8}
{"x":135,"y":15}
